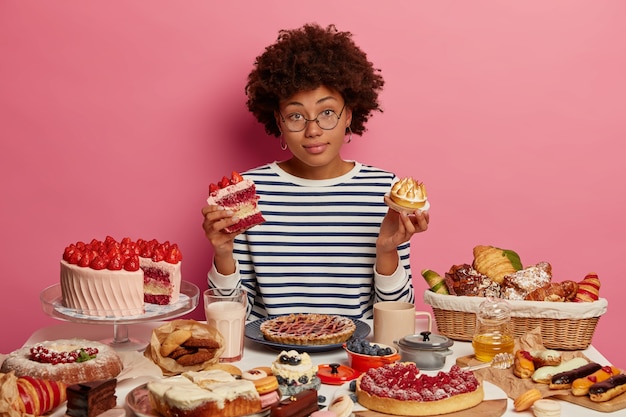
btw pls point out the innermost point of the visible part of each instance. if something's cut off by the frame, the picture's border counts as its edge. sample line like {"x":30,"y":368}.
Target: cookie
{"x":342,"y":406}
{"x":227,"y":367}
{"x":174,"y":340}
{"x":180,"y":351}
{"x":201,"y":356}
{"x":201,"y":343}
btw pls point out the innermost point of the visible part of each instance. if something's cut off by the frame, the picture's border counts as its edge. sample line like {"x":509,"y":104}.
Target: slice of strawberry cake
{"x":113,"y":279}
{"x":239,"y":195}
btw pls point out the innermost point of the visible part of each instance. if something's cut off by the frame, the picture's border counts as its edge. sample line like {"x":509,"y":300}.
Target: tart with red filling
{"x":400,"y":389}
{"x":308,"y":329}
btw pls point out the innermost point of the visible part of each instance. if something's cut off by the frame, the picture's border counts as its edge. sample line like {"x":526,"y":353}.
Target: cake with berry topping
{"x":295,"y":372}
{"x":400,"y":389}
{"x":114,"y":279}
{"x":239,"y":195}
{"x":71,"y":361}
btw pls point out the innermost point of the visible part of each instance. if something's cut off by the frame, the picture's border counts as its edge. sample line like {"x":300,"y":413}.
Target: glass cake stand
{"x":52,"y":304}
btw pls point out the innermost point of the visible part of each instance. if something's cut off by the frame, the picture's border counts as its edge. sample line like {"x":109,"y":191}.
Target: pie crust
{"x":308,"y":329}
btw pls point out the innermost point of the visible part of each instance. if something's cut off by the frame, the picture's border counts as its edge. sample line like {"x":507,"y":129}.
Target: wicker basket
{"x":564,"y":326}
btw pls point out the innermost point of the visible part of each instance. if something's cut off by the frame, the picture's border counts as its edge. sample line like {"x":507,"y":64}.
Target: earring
{"x":349,"y":136}
{"x":283,"y":143}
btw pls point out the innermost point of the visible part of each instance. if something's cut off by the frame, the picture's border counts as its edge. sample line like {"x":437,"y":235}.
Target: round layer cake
{"x":71,"y":361}
{"x":400,"y":389}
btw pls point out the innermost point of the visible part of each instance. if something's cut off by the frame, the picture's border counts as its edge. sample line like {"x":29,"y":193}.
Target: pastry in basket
{"x":435,"y":281}
{"x":555,"y":292}
{"x":496,"y":263}
{"x":295,"y":372}
{"x":519,"y":284}
{"x":465,"y":280}
{"x":400,"y":389}
{"x":184,"y":345}
{"x":308,"y":329}
{"x":588,"y":288}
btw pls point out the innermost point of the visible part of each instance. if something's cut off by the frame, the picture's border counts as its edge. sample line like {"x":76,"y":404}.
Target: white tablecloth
{"x":259,"y":355}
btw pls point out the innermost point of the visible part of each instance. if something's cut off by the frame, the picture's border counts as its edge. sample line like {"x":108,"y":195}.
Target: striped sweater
{"x":317,"y":248}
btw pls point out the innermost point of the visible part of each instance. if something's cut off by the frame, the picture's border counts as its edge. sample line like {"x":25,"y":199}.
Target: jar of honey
{"x":493,"y":334}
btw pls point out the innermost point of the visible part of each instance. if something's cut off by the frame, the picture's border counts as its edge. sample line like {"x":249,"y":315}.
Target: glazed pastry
{"x":301,"y":404}
{"x":608,"y":389}
{"x":523,"y":366}
{"x":588,"y":288}
{"x":527,"y":399}
{"x":546,"y":357}
{"x":496,"y":263}
{"x":581,"y":386}
{"x":563,"y":380}
{"x":544,"y":374}
{"x":554,"y":291}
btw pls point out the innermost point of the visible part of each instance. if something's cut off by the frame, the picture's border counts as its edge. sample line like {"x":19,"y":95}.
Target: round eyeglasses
{"x":326,"y":119}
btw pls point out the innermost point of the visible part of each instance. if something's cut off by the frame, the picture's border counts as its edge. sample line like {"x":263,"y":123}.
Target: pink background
{"x":115,"y":116}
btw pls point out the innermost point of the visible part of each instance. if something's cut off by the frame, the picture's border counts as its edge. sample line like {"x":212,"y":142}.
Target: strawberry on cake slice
{"x":239,"y":195}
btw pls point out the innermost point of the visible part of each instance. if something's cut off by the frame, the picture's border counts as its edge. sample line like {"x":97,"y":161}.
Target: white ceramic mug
{"x":395,"y":319}
{"x":225,"y":309}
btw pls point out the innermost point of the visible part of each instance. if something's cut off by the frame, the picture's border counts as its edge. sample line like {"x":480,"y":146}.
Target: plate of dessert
{"x":138,"y":400}
{"x":306,"y":332}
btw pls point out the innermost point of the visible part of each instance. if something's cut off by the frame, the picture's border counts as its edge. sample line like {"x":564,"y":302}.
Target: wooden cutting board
{"x":617,"y":403}
{"x":489,"y":408}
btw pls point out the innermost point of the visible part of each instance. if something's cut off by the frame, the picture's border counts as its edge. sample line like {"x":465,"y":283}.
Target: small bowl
{"x":362,"y":363}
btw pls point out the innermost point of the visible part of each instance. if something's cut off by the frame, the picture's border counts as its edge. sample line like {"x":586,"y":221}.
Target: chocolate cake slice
{"x":90,"y":399}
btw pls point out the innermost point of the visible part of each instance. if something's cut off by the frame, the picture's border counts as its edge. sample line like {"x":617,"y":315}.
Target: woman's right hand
{"x":215,"y":220}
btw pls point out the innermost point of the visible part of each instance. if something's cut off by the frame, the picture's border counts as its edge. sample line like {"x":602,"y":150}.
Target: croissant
{"x":496,"y":263}
{"x":554,"y":291}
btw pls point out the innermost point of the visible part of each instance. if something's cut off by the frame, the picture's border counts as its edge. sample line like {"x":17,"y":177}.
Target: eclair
{"x":608,"y":389}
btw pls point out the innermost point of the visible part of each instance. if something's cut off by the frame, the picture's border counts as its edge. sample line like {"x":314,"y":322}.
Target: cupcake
{"x":295,"y":372}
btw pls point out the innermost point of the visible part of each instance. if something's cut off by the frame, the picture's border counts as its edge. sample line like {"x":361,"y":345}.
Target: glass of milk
{"x":225,"y":309}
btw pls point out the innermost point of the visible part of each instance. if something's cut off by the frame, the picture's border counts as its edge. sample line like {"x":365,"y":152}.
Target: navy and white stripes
{"x":317,"y":249}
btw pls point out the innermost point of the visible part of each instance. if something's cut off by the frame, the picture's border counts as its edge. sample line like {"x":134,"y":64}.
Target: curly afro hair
{"x":307,"y":58}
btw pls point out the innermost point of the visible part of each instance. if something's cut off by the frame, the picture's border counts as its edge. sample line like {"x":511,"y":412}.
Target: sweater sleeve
{"x":399,"y":285}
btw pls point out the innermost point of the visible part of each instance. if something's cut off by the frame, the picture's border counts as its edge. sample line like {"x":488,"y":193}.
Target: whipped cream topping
{"x":193,"y":389}
{"x":293,"y":372}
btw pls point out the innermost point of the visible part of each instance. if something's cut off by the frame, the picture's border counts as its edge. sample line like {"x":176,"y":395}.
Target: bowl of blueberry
{"x":364,"y":355}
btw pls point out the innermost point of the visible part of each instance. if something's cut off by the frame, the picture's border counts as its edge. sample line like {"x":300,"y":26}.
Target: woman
{"x":329,"y":243}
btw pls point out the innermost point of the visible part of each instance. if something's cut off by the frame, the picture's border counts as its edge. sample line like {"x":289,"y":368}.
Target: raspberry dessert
{"x":113,"y":279}
{"x":239,"y":195}
{"x":399,"y":388}
{"x":71,"y":361}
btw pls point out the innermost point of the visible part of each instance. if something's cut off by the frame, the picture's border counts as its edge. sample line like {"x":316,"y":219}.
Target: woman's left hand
{"x":398,"y":228}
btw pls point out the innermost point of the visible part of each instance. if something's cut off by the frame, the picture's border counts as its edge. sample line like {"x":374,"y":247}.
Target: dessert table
{"x":256,"y":354}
